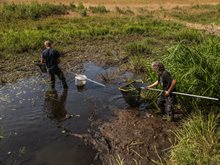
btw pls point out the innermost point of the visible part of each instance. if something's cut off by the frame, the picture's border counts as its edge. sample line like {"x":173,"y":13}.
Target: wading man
{"x":51,"y":57}
{"x":166,"y":100}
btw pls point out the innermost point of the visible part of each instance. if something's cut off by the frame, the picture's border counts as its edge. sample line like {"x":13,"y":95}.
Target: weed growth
{"x":197,"y":69}
{"x":198,"y":141}
{"x":33,"y":11}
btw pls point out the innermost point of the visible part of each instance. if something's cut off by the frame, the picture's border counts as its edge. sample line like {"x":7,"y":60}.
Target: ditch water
{"x":34,"y":124}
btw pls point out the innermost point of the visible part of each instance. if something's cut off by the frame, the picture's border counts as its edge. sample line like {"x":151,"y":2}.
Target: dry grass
{"x":132,"y":4}
{"x":122,"y":2}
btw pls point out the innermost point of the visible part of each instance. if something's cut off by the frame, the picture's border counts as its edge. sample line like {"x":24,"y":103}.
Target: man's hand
{"x":167,"y":93}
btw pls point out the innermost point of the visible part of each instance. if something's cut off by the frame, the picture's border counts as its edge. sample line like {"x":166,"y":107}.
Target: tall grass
{"x":138,"y":48}
{"x":33,"y":11}
{"x":25,"y":35}
{"x":196,"y":68}
{"x":198,"y":141}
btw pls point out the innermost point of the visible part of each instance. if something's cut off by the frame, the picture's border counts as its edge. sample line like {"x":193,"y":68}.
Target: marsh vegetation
{"x":128,"y":40}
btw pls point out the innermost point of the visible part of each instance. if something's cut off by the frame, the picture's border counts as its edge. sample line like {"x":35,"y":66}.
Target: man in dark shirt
{"x":166,"y":100}
{"x":51,"y":57}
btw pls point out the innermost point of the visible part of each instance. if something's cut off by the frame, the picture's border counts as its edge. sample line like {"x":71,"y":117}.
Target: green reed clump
{"x":198,"y":141}
{"x":33,"y":11}
{"x":137,"y":48}
{"x":138,"y":64}
{"x":129,"y":29}
{"x":98,"y":9}
{"x":196,"y":68}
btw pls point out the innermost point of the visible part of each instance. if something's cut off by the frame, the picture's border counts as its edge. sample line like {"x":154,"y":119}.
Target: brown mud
{"x":132,"y":136}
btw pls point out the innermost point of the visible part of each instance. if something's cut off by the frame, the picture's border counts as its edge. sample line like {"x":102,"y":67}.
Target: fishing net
{"x":131,"y":93}
{"x":42,"y":67}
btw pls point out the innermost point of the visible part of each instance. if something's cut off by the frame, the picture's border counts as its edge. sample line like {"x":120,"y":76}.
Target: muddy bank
{"x":132,"y":136}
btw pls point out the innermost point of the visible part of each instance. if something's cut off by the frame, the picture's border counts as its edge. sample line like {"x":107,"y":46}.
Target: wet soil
{"x":134,"y":136}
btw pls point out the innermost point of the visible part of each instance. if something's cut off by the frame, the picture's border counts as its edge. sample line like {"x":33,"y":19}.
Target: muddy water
{"x":35,"y":121}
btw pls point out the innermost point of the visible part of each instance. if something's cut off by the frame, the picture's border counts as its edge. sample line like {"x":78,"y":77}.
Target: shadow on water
{"x":35,"y":120}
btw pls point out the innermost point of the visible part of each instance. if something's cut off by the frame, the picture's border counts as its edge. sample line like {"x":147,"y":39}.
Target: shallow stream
{"x":34,"y":120}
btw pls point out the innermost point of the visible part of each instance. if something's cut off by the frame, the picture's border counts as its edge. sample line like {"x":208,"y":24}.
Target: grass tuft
{"x":198,"y":141}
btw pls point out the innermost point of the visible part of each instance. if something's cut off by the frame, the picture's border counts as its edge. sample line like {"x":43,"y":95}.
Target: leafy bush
{"x":198,"y":141}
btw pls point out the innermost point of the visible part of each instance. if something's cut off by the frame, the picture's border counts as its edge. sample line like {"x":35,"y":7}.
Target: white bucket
{"x":80,"y":80}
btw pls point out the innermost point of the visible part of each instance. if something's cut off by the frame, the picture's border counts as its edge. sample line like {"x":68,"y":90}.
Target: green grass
{"x":208,"y":14}
{"x":9,"y":12}
{"x":23,"y":36}
{"x":196,"y":68}
{"x":198,"y":141}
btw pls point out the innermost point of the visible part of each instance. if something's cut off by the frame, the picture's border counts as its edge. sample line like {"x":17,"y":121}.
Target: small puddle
{"x":35,"y":121}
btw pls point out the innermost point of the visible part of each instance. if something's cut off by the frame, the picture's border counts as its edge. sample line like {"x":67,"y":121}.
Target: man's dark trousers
{"x":57,"y":71}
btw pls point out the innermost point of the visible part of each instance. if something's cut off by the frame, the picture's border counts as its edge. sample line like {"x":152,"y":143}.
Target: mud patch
{"x":136,"y":137}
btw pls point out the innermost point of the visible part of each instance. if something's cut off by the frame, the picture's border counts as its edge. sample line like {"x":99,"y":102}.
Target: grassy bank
{"x":198,"y":141}
{"x":127,"y":41}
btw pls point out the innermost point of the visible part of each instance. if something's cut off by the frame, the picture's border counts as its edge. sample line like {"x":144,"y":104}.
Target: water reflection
{"x":55,"y":105}
{"x":81,"y":88}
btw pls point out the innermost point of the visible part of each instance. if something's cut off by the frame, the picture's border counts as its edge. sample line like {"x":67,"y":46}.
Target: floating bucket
{"x":80,"y":80}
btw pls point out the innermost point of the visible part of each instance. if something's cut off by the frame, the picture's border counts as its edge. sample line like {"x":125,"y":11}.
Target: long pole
{"x":95,"y":82}
{"x":186,"y":94}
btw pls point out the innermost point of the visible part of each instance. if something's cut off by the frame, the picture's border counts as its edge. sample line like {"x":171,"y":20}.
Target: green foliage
{"x":134,"y":29}
{"x":23,"y":41}
{"x":137,"y":48}
{"x":33,"y":11}
{"x":138,"y":64}
{"x":197,"y":69}
{"x":98,"y":9}
{"x":189,"y":36}
{"x":25,"y":35}
{"x":198,"y":141}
